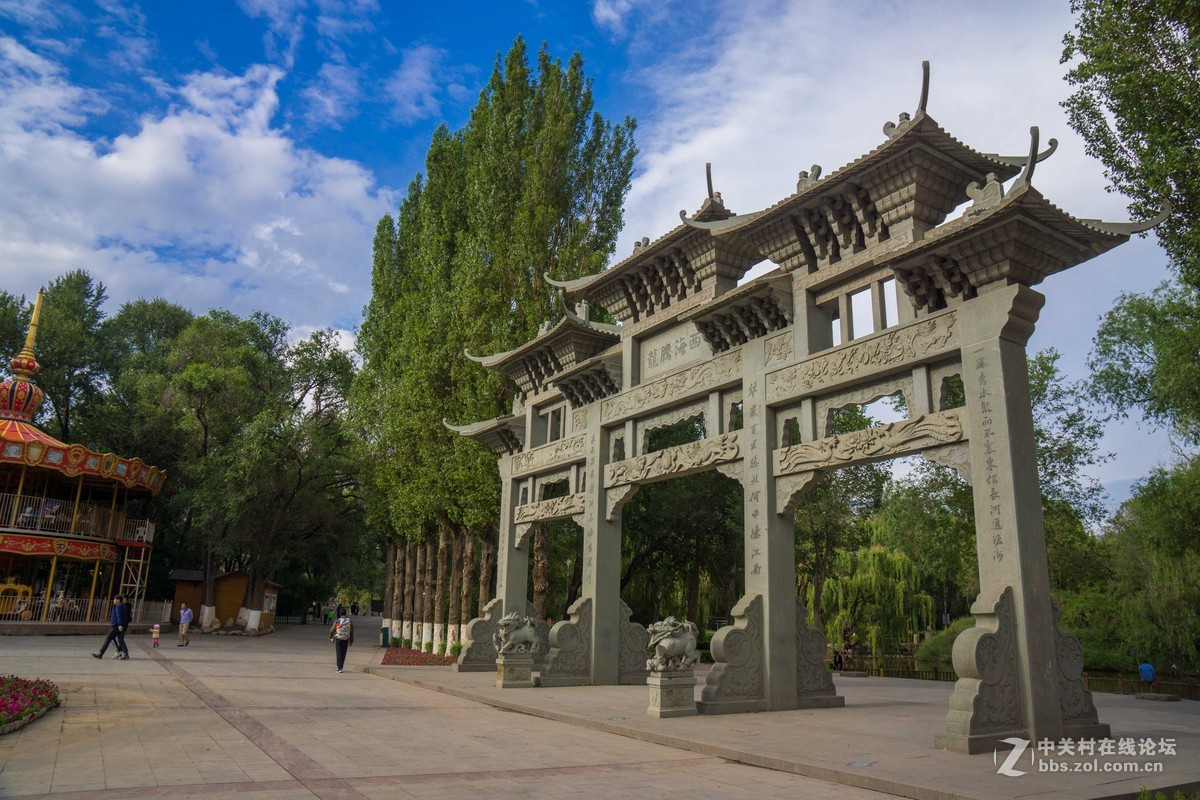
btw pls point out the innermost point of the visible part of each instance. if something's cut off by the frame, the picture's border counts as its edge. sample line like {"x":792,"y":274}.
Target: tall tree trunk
{"x":389,"y":580}
{"x":541,"y":568}
{"x":693,"y":589}
{"x":487,"y":566}
{"x":453,"y":613}
{"x":441,"y":566}
{"x":418,"y":634}
{"x":468,"y":588}
{"x":208,"y":602}
{"x":396,"y":609}
{"x":410,"y":588}
{"x":427,"y":609}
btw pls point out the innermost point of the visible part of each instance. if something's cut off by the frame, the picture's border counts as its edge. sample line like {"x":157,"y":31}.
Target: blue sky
{"x":238,"y":154}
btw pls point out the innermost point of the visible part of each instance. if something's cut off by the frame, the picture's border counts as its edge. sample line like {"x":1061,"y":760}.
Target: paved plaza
{"x":269,"y":717}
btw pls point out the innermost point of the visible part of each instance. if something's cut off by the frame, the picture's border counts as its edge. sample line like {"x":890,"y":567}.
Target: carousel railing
{"x":75,"y":609}
{"x":24,"y":513}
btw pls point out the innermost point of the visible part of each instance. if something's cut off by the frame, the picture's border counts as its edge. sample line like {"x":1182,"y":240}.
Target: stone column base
{"x":551,"y":681}
{"x":820,"y":701}
{"x":514,"y":671}
{"x":474,"y":667}
{"x":672,"y":694}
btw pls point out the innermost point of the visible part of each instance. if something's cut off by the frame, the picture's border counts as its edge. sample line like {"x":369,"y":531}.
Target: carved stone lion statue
{"x":515,"y":634}
{"x":674,"y":645}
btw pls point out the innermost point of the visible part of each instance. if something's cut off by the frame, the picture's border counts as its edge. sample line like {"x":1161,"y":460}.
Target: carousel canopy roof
{"x":23,"y":443}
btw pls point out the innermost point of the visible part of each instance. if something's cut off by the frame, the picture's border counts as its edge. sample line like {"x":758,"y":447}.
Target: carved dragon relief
{"x":672,"y":388}
{"x":879,"y":442}
{"x":918,"y":340}
{"x":674,"y":461}
{"x":779,"y":348}
{"x":554,"y":454}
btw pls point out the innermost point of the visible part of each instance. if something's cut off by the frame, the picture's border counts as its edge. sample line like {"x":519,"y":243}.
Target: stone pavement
{"x":882,"y":740}
{"x":231,"y":717}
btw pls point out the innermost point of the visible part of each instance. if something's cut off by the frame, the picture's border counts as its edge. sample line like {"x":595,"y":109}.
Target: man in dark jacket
{"x":119,"y":623}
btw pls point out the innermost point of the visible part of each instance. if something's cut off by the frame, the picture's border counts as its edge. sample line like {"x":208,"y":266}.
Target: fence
{"x":75,"y":609}
{"x":76,"y":519}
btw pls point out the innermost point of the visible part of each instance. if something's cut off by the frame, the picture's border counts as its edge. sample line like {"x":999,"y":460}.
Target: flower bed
{"x":408,"y":657}
{"x":23,"y":700}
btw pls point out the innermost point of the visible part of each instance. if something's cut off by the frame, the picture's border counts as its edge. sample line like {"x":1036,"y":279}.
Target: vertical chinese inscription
{"x":991,"y":478}
{"x":754,"y":484}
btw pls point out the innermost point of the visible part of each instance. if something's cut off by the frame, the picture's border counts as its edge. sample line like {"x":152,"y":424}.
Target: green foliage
{"x":1134,"y":66}
{"x":939,"y":648}
{"x":407,"y":644}
{"x":71,"y":349}
{"x":870,"y":599}
{"x":428,"y":647}
{"x":1144,"y":358}
{"x":1146,"y":794}
{"x":456,"y":649}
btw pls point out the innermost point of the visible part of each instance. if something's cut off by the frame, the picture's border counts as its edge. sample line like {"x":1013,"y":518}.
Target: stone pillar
{"x":1009,"y":664}
{"x":602,"y":565}
{"x":764,"y":677}
{"x":512,"y":562}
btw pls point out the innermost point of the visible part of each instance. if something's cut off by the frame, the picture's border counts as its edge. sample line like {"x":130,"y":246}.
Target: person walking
{"x":126,"y":615}
{"x":118,"y":622}
{"x":342,"y":636}
{"x":185,"y":622}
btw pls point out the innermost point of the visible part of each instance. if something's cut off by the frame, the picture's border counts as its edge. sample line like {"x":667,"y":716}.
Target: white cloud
{"x":611,"y":15}
{"x":285,"y":26}
{"x":333,"y":98}
{"x":766,"y":89}
{"x":207,"y":204}
{"x":34,"y":13}
{"x":413,"y":87}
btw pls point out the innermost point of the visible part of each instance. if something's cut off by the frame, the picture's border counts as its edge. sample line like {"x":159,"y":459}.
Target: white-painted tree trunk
{"x":208,"y":616}
{"x":439,"y":637}
{"x":426,"y":633}
{"x":253,"y":619}
{"x":406,"y":629}
{"x":397,"y":629}
{"x":462,"y":632}
{"x":386,"y":624}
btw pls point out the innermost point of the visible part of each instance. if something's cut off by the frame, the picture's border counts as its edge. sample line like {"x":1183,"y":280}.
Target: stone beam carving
{"x":985,"y":699}
{"x":956,"y":456}
{"x":570,"y":642}
{"x":550,"y":455}
{"x":556,"y":508}
{"x":616,"y":498}
{"x":673,"y":388}
{"x":814,"y":684}
{"x":879,"y":442}
{"x":860,"y":395}
{"x":670,"y":417}
{"x":735,"y":470}
{"x":674,"y":462}
{"x":878,"y":353}
{"x":790,"y":488}
{"x":631,"y":666}
{"x":735,"y":683}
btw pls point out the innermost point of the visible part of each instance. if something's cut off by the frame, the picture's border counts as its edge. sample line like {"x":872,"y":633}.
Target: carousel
{"x":72,"y":526}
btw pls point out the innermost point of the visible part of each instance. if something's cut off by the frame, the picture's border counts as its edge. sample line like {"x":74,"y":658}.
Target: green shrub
{"x":429,"y":647}
{"x":1146,"y":794}
{"x":456,"y":649}
{"x":441,"y":649}
{"x":939,"y":648}
{"x":406,"y":644}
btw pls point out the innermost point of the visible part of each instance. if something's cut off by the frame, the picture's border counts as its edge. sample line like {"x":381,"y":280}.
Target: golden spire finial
{"x":25,"y":364}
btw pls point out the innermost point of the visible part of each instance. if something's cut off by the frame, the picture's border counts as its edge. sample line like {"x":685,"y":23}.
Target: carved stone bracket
{"x":956,"y":456}
{"x":875,"y":443}
{"x":985,"y":704}
{"x":735,"y":683}
{"x":634,"y":638}
{"x":790,"y":488}
{"x":570,"y":643}
{"x":735,"y":470}
{"x":672,"y":462}
{"x":479,"y":651}
{"x":914,"y":342}
{"x":1075,"y":697}
{"x":616,"y":498}
{"x":551,"y":455}
{"x":814,"y":684}
{"x":673,"y":388}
